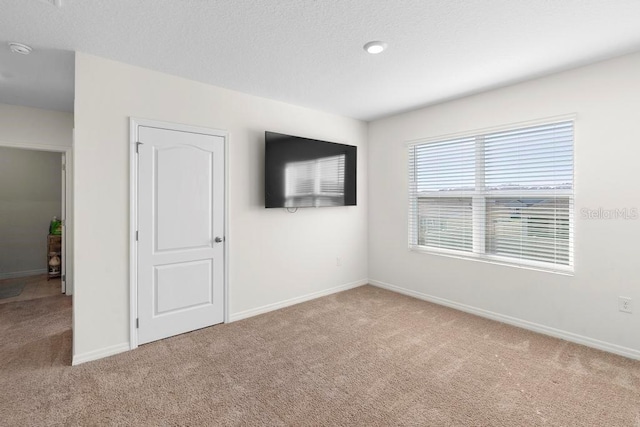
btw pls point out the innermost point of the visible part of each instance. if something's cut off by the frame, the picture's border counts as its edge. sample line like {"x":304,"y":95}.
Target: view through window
{"x":504,"y":196}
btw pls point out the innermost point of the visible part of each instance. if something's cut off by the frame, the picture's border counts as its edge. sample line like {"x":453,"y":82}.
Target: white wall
{"x":23,"y":126}
{"x":274,"y":255}
{"x":30,"y":195}
{"x":606,"y":98}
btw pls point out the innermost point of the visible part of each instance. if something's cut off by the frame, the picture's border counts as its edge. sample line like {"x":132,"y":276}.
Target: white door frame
{"x":67,"y":199}
{"x":134,"y":125}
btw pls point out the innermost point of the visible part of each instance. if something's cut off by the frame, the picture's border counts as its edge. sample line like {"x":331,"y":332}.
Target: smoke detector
{"x":20,"y":48}
{"x":56,"y":3}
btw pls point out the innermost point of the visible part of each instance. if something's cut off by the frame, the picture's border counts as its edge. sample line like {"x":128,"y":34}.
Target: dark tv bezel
{"x":352,"y":159}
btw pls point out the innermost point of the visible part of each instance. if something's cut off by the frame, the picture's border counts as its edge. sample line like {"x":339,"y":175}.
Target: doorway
{"x":34,"y":222}
{"x":178,"y":200}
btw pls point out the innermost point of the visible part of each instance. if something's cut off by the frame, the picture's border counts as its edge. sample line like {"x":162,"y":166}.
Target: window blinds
{"x":506,"y":196}
{"x":445,"y":222}
{"x":529,"y":182}
{"x":440,"y":173}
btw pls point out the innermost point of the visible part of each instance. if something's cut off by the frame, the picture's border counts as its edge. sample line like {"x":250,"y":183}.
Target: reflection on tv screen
{"x":317,"y":182}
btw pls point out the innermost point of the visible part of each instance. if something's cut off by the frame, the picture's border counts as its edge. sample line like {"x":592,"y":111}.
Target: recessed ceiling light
{"x":20,"y":48}
{"x":375,"y":47}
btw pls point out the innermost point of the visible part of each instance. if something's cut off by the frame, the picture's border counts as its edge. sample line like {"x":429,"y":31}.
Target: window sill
{"x":563,"y":271}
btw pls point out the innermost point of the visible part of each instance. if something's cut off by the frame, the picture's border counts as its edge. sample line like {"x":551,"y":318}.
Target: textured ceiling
{"x":309,"y":52}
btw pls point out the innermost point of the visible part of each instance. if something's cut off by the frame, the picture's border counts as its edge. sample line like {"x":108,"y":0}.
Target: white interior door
{"x":63,"y":217}
{"x":180,"y":232}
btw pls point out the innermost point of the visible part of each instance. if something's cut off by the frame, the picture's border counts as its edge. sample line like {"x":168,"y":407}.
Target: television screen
{"x":303,"y":172}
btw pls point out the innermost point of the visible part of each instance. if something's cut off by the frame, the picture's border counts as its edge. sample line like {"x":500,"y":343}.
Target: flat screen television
{"x":303,"y":173}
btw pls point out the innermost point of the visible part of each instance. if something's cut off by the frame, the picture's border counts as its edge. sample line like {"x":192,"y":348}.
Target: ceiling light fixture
{"x":375,"y":47}
{"x":20,"y":48}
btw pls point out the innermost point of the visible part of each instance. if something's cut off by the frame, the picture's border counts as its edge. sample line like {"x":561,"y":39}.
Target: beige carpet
{"x":364,"y":357}
{"x":34,"y":287}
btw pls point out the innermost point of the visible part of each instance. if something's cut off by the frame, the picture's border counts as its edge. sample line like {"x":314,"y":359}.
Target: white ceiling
{"x":309,"y":52}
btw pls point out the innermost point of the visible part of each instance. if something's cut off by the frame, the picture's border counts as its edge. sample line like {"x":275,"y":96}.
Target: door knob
{"x":219,"y":239}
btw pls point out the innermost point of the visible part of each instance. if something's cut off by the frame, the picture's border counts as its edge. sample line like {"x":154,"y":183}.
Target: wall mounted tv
{"x":303,"y":172}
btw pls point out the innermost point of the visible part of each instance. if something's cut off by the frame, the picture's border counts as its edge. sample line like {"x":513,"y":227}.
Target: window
{"x":505,"y":196}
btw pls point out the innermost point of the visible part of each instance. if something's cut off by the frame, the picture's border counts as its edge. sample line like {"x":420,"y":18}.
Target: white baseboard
{"x":297,"y":300}
{"x":22,"y":273}
{"x":100,"y":353}
{"x":535,"y":327}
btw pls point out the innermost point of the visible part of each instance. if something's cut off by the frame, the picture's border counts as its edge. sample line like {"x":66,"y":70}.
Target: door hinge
{"x":136,"y":235}
{"x":138,"y":144}
{"x":64,"y":167}
{"x":64,"y":277}
{"x":137,"y":323}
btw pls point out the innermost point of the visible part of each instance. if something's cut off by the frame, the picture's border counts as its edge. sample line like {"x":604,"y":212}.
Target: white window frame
{"x":480,"y":196}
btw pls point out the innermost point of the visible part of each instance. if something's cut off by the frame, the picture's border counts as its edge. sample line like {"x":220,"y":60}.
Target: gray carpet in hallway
{"x":11,"y":290}
{"x":364,"y":357}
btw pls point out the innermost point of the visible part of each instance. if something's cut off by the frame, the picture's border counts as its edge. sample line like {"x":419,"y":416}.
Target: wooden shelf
{"x":54,"y":248}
